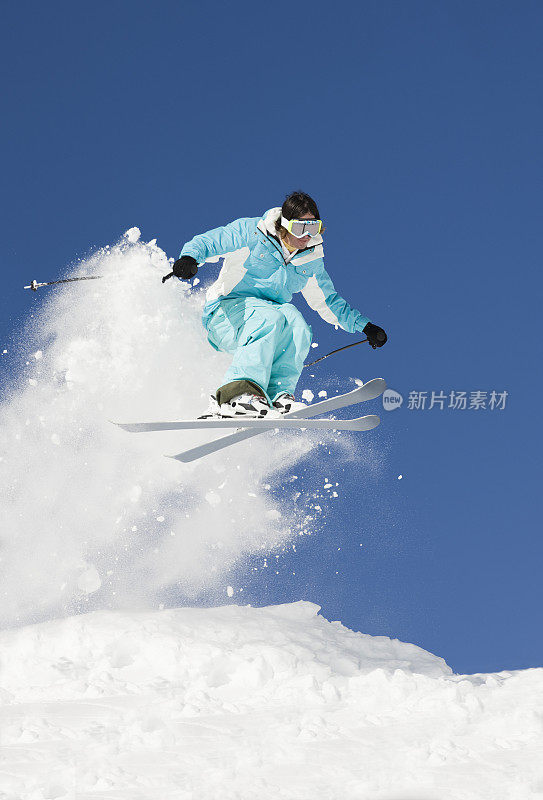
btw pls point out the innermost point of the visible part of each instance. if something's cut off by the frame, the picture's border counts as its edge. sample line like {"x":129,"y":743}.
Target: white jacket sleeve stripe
{"x":232,"y":272}
{"x":316,"y":299}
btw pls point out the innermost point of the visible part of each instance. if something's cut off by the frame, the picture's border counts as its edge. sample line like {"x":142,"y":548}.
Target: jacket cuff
{"x":361,"y":323}
{"x":188,"y":251}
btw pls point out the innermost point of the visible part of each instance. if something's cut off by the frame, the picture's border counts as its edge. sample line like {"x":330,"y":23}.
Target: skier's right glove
{"x":376,"y":335}
{"x":185,"y":268}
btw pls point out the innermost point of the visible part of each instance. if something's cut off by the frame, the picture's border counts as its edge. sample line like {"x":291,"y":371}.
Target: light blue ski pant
{"x":269,"y":341}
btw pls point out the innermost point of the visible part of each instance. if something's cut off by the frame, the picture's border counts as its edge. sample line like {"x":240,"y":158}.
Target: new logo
{"x":391,"y":400}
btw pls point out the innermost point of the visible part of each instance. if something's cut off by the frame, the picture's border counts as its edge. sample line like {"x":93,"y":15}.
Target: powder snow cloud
{"x":95,"y":517}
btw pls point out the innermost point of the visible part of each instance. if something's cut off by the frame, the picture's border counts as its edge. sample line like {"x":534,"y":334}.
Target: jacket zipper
{"x":272,"y":240}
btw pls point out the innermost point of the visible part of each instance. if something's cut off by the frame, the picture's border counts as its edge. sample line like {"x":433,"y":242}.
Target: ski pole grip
{"x":169,"y":275}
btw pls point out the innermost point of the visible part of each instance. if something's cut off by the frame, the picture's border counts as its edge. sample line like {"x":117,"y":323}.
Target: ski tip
{"x":125,"y":426}
{"x":378,"y":383}
{"x":179,"y":457}
{"x":373,"y":388}
{"x":366,"y":423}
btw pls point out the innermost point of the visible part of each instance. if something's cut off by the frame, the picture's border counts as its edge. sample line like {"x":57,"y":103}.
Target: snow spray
{"x":93,"y":517}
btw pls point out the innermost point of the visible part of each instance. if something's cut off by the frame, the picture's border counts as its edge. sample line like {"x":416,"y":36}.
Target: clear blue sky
{"x":417,"y":126}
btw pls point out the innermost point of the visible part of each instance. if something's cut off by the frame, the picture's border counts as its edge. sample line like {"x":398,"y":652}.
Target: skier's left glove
{"x":185,"y":268}
{"x":376,"y":335}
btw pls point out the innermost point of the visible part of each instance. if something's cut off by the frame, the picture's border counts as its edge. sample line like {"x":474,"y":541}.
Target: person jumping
{"x":248,"y":311}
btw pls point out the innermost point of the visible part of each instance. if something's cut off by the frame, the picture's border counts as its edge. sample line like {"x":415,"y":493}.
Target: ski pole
{"x":34,"y":285}
{"x":331,"y":353}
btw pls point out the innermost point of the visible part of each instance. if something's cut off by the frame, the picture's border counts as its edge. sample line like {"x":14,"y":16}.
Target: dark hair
{"x":296,"y":205}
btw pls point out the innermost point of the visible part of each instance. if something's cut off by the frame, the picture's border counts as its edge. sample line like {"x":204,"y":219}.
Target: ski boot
{"x":243,"y":405}
{"x":285,"y":402}
{"x":246,"y":405}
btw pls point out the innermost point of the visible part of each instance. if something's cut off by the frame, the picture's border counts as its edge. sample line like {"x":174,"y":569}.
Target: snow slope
{"x":239,"y":703}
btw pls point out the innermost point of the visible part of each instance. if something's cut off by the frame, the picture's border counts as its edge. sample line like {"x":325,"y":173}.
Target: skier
{"x":248,"y":311}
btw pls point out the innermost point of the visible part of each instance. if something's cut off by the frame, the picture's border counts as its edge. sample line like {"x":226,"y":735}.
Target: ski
{"x":254,"y":423}
{"x":368,"y":391}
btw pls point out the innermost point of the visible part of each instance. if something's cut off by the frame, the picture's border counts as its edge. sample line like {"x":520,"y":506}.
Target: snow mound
{"x":243,"y":703}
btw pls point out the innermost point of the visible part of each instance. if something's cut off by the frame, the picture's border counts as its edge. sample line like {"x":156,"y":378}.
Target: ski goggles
{"x":302,"y":227}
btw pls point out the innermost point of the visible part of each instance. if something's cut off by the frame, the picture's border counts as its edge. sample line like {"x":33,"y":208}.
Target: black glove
{"x":185,"y":267}
{"x":376,"y":335}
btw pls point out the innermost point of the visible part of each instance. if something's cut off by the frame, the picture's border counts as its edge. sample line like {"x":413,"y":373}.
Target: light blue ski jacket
{"x":254,"y":266}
